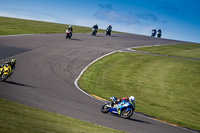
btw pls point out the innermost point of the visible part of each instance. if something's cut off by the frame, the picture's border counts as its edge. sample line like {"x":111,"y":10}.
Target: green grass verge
{"x":164,"y":87}
{"x":18,"y":118}
{"x":191,"y":50}
{"x":12,"y":26}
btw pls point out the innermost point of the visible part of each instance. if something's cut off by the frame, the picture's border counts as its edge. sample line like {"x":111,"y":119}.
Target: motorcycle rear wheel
{"x":104,"y":108}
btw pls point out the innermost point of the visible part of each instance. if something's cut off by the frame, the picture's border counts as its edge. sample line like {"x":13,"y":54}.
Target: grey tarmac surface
{"x":48,"y":64}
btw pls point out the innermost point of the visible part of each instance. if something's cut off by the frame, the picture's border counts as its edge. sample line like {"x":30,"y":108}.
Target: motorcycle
{"x":158,"y":34}
{"x":108,"y":32}
{"x":153,"y":34}
{"x":123,"y":109}
{"x":94,"y":32}
{"x":68,"y":34}
{"x":5,"y":72}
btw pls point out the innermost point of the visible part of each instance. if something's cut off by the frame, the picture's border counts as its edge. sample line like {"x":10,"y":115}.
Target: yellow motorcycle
{"x":5,"y":72}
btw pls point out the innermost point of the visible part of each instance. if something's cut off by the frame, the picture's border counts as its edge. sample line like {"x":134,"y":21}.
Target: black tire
{"x":105,"y":109}
{"x":3,"y":77}
{"x":70,"y":36}
{"x":126,"y":115}
{"x":107,"y":33}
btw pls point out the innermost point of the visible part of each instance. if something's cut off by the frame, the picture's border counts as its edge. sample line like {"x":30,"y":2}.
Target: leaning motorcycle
{"x":5,"y":72}
{"x":108,"y":32}
{"x":153,"y":34}
{"x":123,"y":109}
{"x":158,"y":34}
{"x":94,"y":32}
{"x":68,"y":34}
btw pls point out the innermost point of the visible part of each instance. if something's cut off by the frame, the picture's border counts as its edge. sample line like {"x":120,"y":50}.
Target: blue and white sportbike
{"x":124,"y":109}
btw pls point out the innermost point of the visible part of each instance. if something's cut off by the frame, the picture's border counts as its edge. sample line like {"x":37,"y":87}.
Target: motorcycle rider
{"x":109,"y":28}
{"x":131,"y":100}
{"x":120,"y":100}
{"x":70,"y":29}
{"x":153,"y":32}
{"x":159,"y":33}
{"x":12,"y":63}
{"x":95,"y":27}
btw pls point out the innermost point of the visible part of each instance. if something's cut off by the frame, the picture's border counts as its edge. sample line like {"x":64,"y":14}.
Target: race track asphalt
{"x":48,"y":64}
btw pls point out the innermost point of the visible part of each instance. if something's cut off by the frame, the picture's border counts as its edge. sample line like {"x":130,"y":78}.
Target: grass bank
{"x":12,"y":26}
{"x":181,"y":50}
{"x":164,"y":87}
{"x":18,"y":118}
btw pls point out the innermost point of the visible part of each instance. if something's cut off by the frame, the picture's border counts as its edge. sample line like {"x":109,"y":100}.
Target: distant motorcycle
{"x":108,"y":32}
{"x":153,"y":34}
{"x":94,"y":32}
{"x":68,"y":34}
{"x":158,"y":34}
{"x":5,"y":72}
{"x":125,"y":109}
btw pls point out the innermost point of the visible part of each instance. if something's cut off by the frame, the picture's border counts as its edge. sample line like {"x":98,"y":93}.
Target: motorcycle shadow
{"x":132,"y":119}
{"x":19,"y":84}
{"x":99,"y":36}
{"x":112,"y":36}
{"x":76,"y":39}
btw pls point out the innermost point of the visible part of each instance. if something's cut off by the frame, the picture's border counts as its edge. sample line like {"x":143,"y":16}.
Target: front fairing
{"x":1,"y":70}
{"x":7,"y":69}
{"x":126,"y":105}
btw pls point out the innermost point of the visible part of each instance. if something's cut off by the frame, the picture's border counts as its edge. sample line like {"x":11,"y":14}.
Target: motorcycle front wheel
{"x":4,"y":77}
{"x":92,"y":33}
{"x":70,"y":35}
{"x":126,"y":114}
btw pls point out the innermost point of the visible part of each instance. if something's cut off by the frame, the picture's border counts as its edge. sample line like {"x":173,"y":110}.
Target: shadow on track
{"x":99,"y":36}
{"x":19,"y":84}
{"x":112,"y":36}
{"x":76,"y":39}
{"x":131,"y":119}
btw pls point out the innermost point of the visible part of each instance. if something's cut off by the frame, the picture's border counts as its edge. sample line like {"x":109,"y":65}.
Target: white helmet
{"x":70,"y":26}
{"x":132,"y":99}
